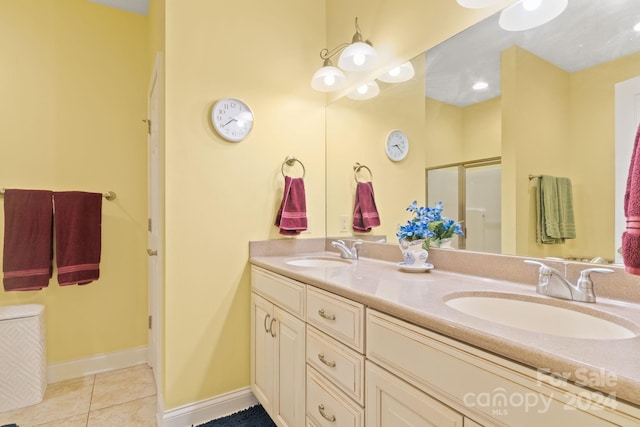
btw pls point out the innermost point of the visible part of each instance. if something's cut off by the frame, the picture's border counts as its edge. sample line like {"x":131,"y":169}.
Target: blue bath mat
{"x":10,"y":425}
{"x":254,"y":416}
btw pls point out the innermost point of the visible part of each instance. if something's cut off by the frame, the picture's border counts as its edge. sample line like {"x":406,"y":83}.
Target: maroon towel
{"x":78,"y":221}
{"x":292,"y":215}
{"x":631,"y":237}
{"x":365,"y":213}
{"x":28,"y":233}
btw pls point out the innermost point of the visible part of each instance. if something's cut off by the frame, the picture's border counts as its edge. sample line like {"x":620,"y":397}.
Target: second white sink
{"x":540,"y":317}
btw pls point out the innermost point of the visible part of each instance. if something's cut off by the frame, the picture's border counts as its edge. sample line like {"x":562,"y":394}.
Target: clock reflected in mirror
{"x":397,"y":145}
{"x":232,"y":119}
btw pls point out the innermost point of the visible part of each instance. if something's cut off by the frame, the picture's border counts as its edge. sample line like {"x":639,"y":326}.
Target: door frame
{"x":155,"y":210}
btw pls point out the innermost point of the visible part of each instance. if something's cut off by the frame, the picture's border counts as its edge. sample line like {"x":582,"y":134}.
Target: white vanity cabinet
{"x":278,"y":346}
{"x":335,"y":360}
{"x":322,"y":360}
{"x":474,"y":383}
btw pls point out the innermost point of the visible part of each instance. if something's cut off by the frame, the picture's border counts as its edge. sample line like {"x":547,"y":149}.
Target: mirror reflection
{"x":547,"y":107}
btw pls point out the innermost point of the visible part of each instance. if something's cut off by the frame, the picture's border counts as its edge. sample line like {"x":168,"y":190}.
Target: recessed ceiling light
{"x":480,"y":86}
{"x":637,"y":27}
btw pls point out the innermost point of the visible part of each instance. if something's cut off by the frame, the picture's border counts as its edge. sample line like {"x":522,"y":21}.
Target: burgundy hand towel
{"x":28,"y":234}
{"x":292,"y":215}
{"x":365,"y":212}
{"x":631,"y":237}
{"x":78,"y":222}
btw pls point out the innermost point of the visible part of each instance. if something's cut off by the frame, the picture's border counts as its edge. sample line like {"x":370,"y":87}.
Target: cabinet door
{"x":263,"y":378}
{"x":290,"y":369}
{"x":392,"y":402}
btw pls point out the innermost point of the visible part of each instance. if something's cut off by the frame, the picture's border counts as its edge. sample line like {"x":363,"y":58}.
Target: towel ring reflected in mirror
{"x":290,"y":161}
{"x":357,"y":167}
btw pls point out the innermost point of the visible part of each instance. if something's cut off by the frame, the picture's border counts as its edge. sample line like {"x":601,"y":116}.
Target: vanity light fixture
{"x":399,"y":74}
{"x":527,"y":14}
{"x":477,"y":4}
{"x":328,"y":78}
{"x":366,"y":91}
{"x":359,"y":55}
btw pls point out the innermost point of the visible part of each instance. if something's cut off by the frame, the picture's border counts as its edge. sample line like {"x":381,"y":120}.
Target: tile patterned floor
{"x":125,"y":397}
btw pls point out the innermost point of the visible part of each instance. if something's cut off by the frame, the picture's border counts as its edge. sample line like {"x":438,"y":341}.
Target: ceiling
{"x":587,"y":33}
{"x":135,"y":6}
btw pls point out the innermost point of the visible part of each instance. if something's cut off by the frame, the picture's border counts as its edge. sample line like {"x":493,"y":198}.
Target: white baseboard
{"x":61,"y":371}
{"x":210,"y":409}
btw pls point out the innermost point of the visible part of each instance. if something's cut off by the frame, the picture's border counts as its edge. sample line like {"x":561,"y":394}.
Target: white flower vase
{"x":446,"y":243}
{"x":413,"y":253}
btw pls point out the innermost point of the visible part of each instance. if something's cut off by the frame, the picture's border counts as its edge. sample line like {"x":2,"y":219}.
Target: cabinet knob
{"x":325,"y":361}
{"x":325,"y":315}
{"x":273,"y":332}
{"x":331,"y":418}
{"x":266,"y":328}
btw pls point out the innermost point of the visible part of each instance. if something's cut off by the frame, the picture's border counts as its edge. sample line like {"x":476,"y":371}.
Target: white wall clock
{"x":397,"y":145}
{"x":232,"y":119}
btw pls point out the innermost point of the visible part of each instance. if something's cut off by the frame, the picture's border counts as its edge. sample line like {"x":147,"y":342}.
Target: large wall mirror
{"x":549,"y":109}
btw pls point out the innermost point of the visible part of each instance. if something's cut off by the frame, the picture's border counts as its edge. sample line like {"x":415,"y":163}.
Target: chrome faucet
{"x":554,"y":284}
{"x":345,"y":252}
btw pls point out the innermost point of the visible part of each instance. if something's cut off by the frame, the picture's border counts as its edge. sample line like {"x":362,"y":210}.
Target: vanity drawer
{"x":338,"y":363}
{"x":280,"y":290}
{"x":339,"y":317}
{"x":329,"y":407}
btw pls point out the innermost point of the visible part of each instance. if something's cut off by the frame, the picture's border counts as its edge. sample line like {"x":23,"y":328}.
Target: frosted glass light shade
{"x":358,"y":56}
{"x":398,"y":74}
{"x":477,"y":4}
{"x":366,"y":91}
{"x":328,"y":78}
{"x":521,"y":16}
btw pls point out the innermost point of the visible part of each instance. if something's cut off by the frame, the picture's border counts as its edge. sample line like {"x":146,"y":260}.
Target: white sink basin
{"x":540,"y":317}
{"x":318,"y":262}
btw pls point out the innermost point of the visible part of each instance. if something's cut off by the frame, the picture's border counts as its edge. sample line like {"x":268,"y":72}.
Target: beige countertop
{"x":609,"y":366}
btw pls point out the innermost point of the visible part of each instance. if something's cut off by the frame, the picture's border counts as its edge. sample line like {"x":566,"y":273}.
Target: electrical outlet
{"x":344,"y":223}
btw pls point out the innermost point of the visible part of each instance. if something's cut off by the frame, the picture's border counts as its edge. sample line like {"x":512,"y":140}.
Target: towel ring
{"x":357,"y":167}
{"x":290,"y":161}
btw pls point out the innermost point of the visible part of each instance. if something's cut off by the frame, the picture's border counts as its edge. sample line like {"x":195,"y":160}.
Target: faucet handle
{"x":588,"y":271}
{"x":585,"y":284}
{"x":544,"y":268}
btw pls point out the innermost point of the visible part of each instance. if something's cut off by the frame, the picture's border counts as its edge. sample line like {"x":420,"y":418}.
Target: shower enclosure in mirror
{"x":549,"y":108}
{"x":470,"y":192}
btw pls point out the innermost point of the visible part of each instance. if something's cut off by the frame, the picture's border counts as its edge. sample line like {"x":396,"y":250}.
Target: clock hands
{"x":242,"y":118}
{"x":232,"y":120}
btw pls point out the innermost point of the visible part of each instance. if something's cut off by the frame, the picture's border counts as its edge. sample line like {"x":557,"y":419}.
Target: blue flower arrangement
{"x":429,"y":224}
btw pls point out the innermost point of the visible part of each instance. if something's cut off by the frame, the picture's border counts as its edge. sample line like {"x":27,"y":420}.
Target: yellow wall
{"x":73,"y":88}
{"x":482,"y":129}
{"x":457,"y":134}
{"x":220,"y":195}
{"x":535,"y":129}
{"x":593,"y":150}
